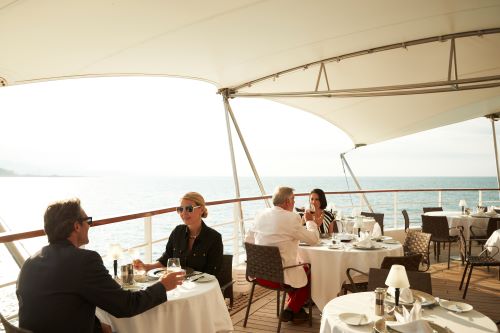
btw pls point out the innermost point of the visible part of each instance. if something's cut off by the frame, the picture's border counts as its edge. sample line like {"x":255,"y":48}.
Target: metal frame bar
{"x":404,"y":45}
{"x":363,"y":195}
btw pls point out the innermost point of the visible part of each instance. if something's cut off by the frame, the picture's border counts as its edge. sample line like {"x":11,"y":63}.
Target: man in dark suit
{"x":60,"y":286}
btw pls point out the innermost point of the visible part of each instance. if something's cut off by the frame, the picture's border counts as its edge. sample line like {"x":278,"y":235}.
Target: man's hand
{"x":172,"y":280}
{"x":138,"y":264}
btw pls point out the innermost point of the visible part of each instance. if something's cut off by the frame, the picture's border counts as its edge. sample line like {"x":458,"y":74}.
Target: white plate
{"x":156,"y":273}
{"x":335,"y":246}
{"x":391,"y":241}
{"x":204,"y":278}
{"x":455,"y":306}
{"x":373,"y":247}
{"x":425,"y":298}
{"x":356,"y":319}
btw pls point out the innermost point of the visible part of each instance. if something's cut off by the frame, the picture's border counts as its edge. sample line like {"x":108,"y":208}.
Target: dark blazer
{"x":206,"y":254}
{"x":59,"y":288}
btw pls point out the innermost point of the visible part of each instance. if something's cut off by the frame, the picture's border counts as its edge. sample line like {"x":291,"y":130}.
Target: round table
{"x":455,"y":219}
{"x":364,"y":303}
{"x":328,"y":267}
{"x":193,"y":307}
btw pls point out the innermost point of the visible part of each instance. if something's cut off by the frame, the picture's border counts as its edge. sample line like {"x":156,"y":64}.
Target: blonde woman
{"x":196,"y":245}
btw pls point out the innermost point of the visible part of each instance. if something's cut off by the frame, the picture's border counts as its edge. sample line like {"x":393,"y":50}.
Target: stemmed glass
{"x":174,"y":265}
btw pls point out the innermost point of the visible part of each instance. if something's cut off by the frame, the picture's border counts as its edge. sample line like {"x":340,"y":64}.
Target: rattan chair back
{"x":417,"y":242}
{"x":225,"y":277}
{"x":410,"y":262}
{"x":407,"y":219}
{"x":418,"y":280}
{"x":379,"y":218}
{"x":264,"y":262}
{"x":432,"y":209}
{"x":437,"y":226}
{"x":493,"y":224}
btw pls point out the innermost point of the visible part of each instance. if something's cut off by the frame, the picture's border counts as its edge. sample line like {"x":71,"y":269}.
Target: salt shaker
{"x":379,"y":301}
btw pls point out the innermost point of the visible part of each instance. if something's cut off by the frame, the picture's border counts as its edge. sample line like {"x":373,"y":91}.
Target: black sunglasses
{"x":188,"y":209}
{"x":86,"y":219}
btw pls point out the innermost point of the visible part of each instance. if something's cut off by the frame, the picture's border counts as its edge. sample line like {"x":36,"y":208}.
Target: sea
{"x":23,"y":201}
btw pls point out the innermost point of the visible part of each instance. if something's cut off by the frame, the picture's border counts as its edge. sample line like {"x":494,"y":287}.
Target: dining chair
{"x":379,"y":218}
{"x":411,"y":263}
{"x":225,"y":278}
{"x":415,"y":242}
{"x":418,"y":280}
{"x":493,"y":224}
{"x":9,"y":328}
{"x":432,"y":209}
{"x":264,"y":262}
{"x":438,"y":227}
{"x":485,"y":258}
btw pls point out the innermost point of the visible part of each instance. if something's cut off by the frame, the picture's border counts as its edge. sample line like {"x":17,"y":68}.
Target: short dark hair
{"x":321,"y":196}
{"x":60,"y":217}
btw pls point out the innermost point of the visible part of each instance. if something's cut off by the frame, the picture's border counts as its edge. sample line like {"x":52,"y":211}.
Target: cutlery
{"x":199,"y":277}
{"x":361,"y":317}
{"x":193,"y":274}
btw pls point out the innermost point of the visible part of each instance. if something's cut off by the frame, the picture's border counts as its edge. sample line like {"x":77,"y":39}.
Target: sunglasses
{"x":86,"y":219}
{"x":188,"y":209}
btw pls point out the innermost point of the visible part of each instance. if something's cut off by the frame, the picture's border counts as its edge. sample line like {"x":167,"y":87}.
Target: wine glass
{"x":174,"y":265}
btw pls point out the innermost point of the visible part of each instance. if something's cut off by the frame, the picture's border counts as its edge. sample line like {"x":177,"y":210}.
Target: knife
{"x":199,"y":277}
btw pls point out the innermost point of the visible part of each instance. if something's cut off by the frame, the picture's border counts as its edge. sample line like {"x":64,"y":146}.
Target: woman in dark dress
{"x":318,"y":213}
{"x":196,"y":245}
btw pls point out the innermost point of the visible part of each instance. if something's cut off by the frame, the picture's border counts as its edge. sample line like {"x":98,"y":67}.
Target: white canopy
{"x":231,"y":43}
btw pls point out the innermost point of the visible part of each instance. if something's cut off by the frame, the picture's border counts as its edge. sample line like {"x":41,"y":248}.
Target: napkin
{"x":417,"y":326}
{"x":405,"y":295}
{"x":376,"y":232}
{"x":367,"y":242}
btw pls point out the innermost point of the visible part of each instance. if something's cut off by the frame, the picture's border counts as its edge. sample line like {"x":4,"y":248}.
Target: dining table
{"x":456,"y":218}
{"x":493,"y":244}
{"x":194,"y":306}
{"x":328,"y":265}
{"x":363,"y":304}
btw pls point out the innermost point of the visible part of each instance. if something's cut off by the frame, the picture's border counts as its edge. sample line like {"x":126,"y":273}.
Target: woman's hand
{"x":138,"y":264}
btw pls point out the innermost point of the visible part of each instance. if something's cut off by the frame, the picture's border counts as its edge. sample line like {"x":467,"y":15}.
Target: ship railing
{"x":234,"y":241}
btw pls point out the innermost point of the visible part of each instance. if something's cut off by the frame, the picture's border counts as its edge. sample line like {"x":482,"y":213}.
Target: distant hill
{"x":7,"y":173}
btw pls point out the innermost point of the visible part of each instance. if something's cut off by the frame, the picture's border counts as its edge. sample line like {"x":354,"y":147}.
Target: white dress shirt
{"x":282,"y":228}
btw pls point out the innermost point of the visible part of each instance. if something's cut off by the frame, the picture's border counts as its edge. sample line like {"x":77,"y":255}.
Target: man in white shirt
{"x":279,"y":226}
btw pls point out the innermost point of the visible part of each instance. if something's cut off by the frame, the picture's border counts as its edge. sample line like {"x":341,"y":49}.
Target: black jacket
{"x":206,"y":254}
{"x":59,"y":288}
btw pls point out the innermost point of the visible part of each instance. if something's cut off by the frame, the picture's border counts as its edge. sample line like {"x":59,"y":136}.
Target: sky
{"x":158,"y":126}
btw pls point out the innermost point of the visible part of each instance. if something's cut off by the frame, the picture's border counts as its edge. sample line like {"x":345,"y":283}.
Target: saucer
{"x":355,"y":319}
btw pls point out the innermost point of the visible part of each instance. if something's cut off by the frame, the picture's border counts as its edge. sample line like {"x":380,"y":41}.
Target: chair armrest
{"x":484,"y":253}
{"x":302,"y":264}
{"x":348,"y":273}
{"x":227,"y":285}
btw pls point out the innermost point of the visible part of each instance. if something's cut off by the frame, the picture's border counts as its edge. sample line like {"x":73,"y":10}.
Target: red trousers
{"x":296,"y":298}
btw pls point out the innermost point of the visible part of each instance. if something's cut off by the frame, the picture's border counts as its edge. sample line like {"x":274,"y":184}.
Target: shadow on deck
{"x":483,"y":295}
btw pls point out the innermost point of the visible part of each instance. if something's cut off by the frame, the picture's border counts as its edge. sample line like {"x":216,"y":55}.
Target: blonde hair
{"x":281,"y":195}
{"x":198,"y":200}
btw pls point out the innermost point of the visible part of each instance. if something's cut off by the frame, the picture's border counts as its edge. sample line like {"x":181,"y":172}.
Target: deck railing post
{"x":148,"y":239}
{"x":395,"y":211}
{"x":480,"y":199}
{"x":440,"y":199}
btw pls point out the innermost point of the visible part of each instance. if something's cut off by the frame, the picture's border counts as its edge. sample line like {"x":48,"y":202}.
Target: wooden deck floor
{"x":483,"y":294}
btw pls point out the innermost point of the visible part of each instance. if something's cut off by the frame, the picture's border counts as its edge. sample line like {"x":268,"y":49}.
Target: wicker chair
{"x":264,"y":262}
{"x":9,"y":328}
{"x":411,"y":263}
{"x":485,"y":258}
{"x":438,"y":227}
{"x":225,"y":278}
{"x":432,"y":209}
{"x":418,"y":280}
{"x":418,"y":242}
{"x":379,"y":218}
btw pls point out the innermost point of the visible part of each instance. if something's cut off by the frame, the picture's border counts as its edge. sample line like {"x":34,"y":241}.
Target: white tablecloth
{"x":364,"y":303}
{"x":328,"y":267}
{"x":456,"y":219}
{"x":198,"y":307}
{"x":494,"y":240}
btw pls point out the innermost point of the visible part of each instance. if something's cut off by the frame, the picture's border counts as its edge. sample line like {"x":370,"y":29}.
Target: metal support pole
{"x":12,"y":248}
{"x":247,"y":152}
{"x":148,"y":239}
{"x":395,"y":210}
{"x":238,"y":212}
{"x":492,"y":117}
{"x":342,"y":157}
